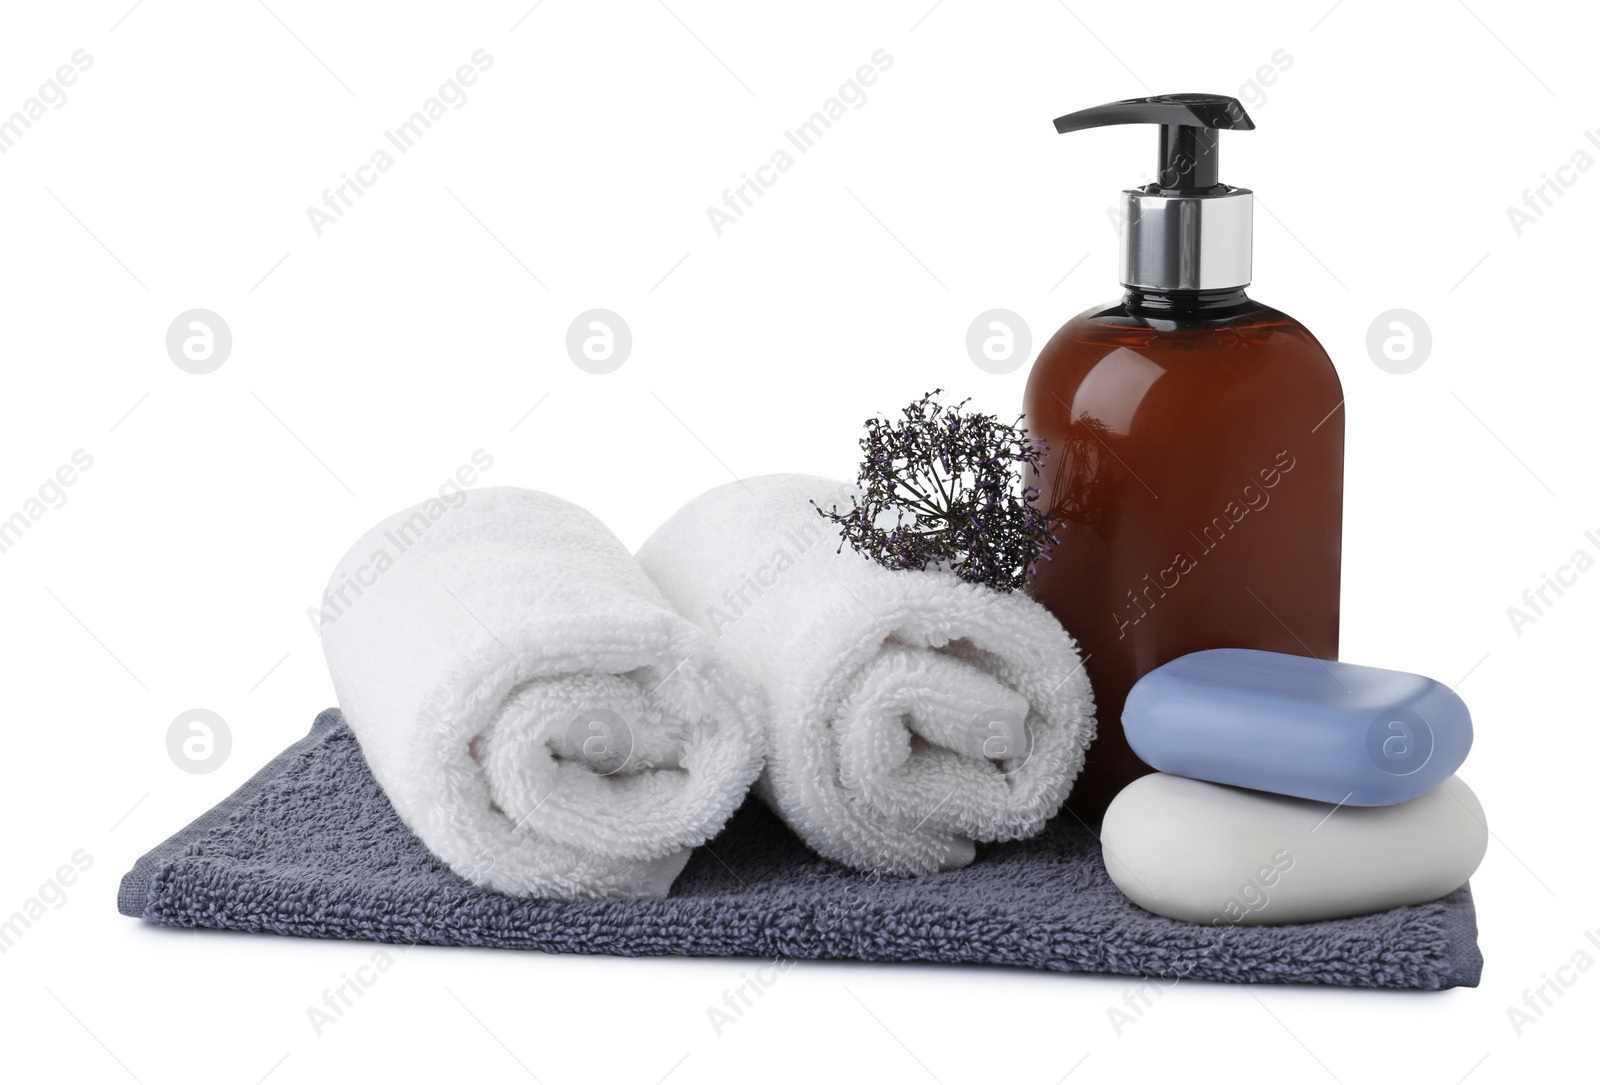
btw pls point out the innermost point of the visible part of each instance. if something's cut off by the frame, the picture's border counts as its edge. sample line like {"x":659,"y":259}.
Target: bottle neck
{"x":1173,"y":303}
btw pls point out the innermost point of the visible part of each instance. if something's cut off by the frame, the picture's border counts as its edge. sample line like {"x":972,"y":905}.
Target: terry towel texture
{"x":909,"y":714}
{"x":311,"y":847}
{"x":537,"y":714}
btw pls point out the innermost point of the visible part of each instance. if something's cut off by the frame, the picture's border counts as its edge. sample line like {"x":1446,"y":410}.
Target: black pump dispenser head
{"x":1189,"y":126}
{"x":1186,"y":230}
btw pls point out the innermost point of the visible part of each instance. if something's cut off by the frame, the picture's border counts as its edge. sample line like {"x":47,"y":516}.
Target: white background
{"x":429,"y":320}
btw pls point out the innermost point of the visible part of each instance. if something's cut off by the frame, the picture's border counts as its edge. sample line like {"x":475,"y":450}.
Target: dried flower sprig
{"x":955,"y":483}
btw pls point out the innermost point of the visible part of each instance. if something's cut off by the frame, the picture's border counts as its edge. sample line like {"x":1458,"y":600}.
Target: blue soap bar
{"x":1311,"y":728}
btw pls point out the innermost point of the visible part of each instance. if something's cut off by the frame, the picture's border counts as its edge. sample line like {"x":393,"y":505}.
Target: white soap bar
{"x":1208,"y":853}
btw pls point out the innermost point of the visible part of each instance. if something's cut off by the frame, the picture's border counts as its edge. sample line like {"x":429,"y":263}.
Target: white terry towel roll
{"x":538,"y":715}
{"x":909,"y":713}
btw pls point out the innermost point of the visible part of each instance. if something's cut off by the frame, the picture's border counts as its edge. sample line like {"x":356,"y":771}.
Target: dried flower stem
{"x":955,"y":484}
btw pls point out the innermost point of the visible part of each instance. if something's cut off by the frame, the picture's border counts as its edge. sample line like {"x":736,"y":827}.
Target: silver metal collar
{"x":1187,"y":242}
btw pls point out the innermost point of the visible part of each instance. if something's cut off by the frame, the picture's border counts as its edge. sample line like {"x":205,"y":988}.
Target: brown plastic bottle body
{"x":1196,"y":468}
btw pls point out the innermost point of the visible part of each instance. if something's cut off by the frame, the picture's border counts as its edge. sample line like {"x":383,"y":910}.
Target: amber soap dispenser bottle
{"x":1196,"y":444}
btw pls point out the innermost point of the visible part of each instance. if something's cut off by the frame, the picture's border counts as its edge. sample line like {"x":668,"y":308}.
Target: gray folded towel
{"x":310,"y":847}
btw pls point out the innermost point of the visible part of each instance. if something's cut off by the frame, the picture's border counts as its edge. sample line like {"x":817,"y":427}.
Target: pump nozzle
{"x":1186,"y":231}
{"x":1189,"y":125}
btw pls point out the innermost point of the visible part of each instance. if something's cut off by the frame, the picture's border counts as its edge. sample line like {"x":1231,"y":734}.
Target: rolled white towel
{"x":909,"y":713}
{"x":538,"y":715}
